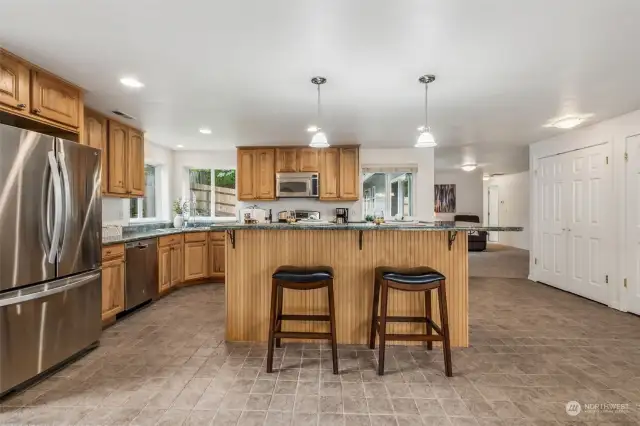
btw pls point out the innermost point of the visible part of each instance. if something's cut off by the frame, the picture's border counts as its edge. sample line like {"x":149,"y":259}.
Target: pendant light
{"x":426,"y":139}
{"x":319,"y":139}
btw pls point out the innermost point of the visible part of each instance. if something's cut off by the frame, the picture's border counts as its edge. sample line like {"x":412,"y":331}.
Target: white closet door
{"x":588,"y":191}
{"x":551,"y":202}
{"x":494,"y":211}
{"x":633,"y":224}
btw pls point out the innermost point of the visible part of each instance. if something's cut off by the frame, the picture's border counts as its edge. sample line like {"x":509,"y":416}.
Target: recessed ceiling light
{"x":131,"y":82}
{"x":567,"y":122}
{"x":179,"y":146}
{"x":205,"y":131}
{"x":313,"y":129}
{"x":469,"y":167}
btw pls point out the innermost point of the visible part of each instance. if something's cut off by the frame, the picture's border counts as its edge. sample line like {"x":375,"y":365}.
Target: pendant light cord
{"x":426,"y":123}
{"x":319,"y":110}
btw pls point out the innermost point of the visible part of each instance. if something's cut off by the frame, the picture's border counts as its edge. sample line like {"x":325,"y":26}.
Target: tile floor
{"x":533,"y":349}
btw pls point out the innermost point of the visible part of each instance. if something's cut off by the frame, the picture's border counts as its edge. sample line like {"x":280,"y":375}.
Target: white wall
{"x":513,"y":196}
{"x":468,"y":191}
{"x":614,"y":132}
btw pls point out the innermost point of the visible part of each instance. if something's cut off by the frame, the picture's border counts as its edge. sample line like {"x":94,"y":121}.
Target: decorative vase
{"x":178,"y":221}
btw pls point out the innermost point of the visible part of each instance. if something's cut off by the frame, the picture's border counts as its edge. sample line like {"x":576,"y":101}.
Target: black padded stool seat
{"x":417,"y":275}
{"x":302,"y":274}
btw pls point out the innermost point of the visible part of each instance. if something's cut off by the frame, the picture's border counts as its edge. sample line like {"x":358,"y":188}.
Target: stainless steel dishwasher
{"x":142,"y":272}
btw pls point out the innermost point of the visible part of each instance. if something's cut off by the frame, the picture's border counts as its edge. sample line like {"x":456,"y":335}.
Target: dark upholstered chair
{"x":477,"y":239}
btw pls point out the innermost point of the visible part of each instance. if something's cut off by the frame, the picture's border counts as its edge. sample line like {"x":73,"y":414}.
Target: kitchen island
{"x":253,"y":252}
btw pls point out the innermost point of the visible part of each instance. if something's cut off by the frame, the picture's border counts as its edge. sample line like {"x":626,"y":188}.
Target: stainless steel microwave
{"x":290,"y":185}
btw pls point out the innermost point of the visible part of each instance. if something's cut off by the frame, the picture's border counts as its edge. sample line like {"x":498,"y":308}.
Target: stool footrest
{"x":435,"y":326}
{"x":417,"y":337}
{"x":304,"y":317}
{"x":301,"y":335}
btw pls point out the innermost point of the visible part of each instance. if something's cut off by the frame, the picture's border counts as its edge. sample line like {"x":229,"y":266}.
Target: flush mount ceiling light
{"x":205,"y":131}
{"x":131,"y":82}
{"x":469,"y":167}
{"x":426,"y":139}
{"x":568,"y":121}
{"x":179,"y":146}
{"x":319,"y":139}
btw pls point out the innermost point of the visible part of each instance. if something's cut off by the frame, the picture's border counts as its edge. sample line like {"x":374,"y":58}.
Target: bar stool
{"x":417,"y":279}
{"x":300,"y":278}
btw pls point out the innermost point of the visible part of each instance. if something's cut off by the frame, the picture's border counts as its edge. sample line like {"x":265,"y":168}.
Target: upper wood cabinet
{"x":286,"y":160}
{"x":96,"y":136}
{"x":117,"y":158}
{"x":256,"y":179}
{"x":135,"y":166}
{"x":14,"y":83}
{"x":307,"y":160}
{"x":349,"y":174}
{"x":55,"y":100}
{"x":329,"y":173}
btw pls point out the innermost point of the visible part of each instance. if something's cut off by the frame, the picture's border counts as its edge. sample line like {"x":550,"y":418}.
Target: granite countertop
{"x":358,"y":226}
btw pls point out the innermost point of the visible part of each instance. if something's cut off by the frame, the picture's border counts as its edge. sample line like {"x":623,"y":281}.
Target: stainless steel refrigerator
{"x":50,"y":252}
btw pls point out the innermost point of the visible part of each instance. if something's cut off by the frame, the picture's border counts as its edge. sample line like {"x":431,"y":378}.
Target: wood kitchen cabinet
{"x":113,"y":278}
{"x":177,"y":264}
{"x":196,"y":256}
{"x":255,"y":175}
{"x":125,"y":161}
{"x":349,"y":188}
{"x":329,"y":173}
{"x":135,"y":163}
{"x":14,"y":84}
{"x":286,"y":160}
{"x":55,"y":100}
{"x":164,"y":269}
{"x":308,"y":159}
{"x":170,"y":261}
{"x":96,"y":136}
{"x":216,"y":254}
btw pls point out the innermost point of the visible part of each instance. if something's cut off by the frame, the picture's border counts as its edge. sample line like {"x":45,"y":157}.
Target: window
{"x":215,"y":200}
{"x":145,"y":208}
{"x":388,"y":193}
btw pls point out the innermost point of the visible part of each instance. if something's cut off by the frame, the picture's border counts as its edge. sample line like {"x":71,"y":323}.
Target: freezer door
{"x":82,"y":208}
{"x":27,"y":199}
{"x":44,"y":324}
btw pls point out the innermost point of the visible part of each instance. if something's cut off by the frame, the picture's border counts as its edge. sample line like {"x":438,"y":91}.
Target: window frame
{"x":212,"y":207}
{"x":388,"y":182}
{"x":140,"y":200}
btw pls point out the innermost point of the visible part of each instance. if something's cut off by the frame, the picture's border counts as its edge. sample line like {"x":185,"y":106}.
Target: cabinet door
{"x":195,"y":260}
{"x":308,"y":160}
{"x":216,"y":258}
{"x":117,"y":158}
{"x":54,"y":99}
{"x":112,"y":287}
{"x":329,"y":173}
{"x":164,"y":268}
{"x":14,"y":83}
{"x":349,"y":174}
{"x":265,"y":174}
{"x":176,"y":264}
{"x":135,"y":165}
{"x":95,"y":135}
{"x":245,"y":173}
{"x":286,"y":160}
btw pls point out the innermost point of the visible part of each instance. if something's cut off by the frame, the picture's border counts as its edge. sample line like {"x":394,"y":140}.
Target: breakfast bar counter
{"x":253,"y":252}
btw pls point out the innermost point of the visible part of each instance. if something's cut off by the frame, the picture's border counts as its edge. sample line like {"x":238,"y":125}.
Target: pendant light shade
{"x":426,"y":139}
{"x":319,"y":139}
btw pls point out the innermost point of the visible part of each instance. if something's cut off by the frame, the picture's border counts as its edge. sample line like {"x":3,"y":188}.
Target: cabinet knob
{"x":37,"y":110}
{"x":22,"y":106}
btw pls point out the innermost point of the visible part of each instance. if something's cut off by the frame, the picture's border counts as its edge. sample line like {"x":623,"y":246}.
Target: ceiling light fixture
{"x":205,"y":131}
{"x":469,"y":167}
{"x":179,"y":146}
{"x":426,"y":139}
{"x":319,"y":139}
{"x":568,"y":121}
{"x":313,"y":129}
{"x":131,"y":82}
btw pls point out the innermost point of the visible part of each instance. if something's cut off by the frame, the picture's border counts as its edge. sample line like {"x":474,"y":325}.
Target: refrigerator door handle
{"x":66,"y":193}
{"x":43,"y":290}
{"x":57,"y":209}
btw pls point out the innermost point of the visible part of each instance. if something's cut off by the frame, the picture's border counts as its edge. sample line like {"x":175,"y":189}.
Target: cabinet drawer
{"x":195,"y":237}
{"x":170,"y":240}
{"x":113,"y":251}
{"x":216,"y":235}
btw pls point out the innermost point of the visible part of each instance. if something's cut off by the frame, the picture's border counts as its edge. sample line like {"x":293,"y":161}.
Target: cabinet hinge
{"x":606,"y":160}
{"x":626,"y":156}
{"x":606,"y":279}
{"x":625,"y":283}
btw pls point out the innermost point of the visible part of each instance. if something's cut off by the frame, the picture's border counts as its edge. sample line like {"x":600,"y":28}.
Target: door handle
{"x":17,"y":296}
{"x":57,"y":208}
{"x":66,"y":192}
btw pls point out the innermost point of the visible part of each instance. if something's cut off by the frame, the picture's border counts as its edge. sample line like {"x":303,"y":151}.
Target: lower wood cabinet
{"x":164,"y":269}
{"x":195,"y":256}
{"x":176,"y":264}
{"x":170,"y":261}
{"x":216,"y":254}
{"x":113,"y":277}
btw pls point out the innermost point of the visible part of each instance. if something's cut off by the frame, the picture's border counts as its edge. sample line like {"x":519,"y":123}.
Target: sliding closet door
{"x":589,"y":190}
{"x":633,"y":225}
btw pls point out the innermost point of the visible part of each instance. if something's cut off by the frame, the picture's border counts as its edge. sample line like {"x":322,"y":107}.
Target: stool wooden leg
{"x":383,"y":326}
{"x":374,"y":314}
{"x":272,"y":324}
{"x":427,"y":313}
{"x":444,"y":321}
{"x":332,"y":325}
{"x":279,"y":312}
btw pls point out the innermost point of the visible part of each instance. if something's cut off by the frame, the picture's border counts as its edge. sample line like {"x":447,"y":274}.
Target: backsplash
{"x":327,"y":209}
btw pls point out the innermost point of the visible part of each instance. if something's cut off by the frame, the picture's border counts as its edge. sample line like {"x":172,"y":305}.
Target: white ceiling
{"x":242,"y":68}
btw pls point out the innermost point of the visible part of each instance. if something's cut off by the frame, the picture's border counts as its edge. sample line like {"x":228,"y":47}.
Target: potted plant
{"x":179,"y":208}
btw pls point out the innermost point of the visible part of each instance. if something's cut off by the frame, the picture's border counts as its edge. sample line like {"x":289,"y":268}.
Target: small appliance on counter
{"x":342,"y":215}
{"x":253,"y":214}
{"x":288,"y":216}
